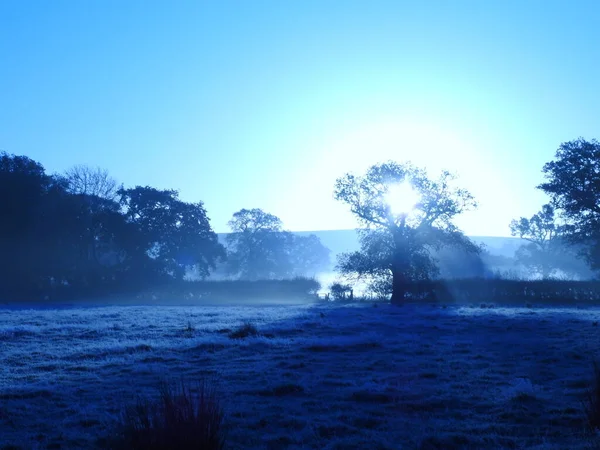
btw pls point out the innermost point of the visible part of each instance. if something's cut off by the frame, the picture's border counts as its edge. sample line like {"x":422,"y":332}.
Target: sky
{"x":263,"y":104}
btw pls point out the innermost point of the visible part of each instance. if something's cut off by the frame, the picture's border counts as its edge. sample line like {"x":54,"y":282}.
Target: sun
{"x":402,"y":198}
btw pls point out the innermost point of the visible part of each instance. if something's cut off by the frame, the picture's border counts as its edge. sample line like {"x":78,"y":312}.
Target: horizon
{"x":264,"y":105}
{"x":355,"y":229}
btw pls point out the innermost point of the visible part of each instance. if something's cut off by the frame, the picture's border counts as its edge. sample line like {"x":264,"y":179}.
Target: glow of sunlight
{"x":352,"y":146}
{"x":402,"y":198}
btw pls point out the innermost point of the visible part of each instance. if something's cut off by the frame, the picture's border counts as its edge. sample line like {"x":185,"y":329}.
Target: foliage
{"x":176,"y":235}
{"x":240,"y":291}
{"x":503,"y":291}
{"x":547,"y":251}
{"x":38,"y":236}
{"x":573,"y":183}
{"x":259,"y":248}
{"x":308,"y":255}
{"x":541,"y":229}
{"x":68,"y":236}
{"x":341,"y":291}
{"x":399,"y":246}
{"x":181,"y":418}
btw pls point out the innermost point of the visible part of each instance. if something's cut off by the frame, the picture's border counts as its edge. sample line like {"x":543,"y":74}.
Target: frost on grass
{"x":591,"y":401}
{"x":246,"y":330}
{"x":352,"y":376}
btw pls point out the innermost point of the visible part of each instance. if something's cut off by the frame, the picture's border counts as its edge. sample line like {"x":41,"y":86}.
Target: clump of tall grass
{"x":183,"y":417}
{"x":591,"y":402}
{"x":190,"y":329}
{"x":246,"y":330}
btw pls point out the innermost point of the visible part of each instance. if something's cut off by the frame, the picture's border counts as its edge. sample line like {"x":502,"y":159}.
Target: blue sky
{"x":264,"y":103}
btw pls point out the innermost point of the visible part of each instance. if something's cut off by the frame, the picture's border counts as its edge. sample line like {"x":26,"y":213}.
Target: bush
{"x":506,"y":292}
{"x":341,"y":291}
{"x":242,"y":290}
{"x":180,"y":419}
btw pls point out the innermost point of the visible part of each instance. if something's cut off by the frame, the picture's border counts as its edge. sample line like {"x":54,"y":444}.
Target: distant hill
{"x":339,"y":241}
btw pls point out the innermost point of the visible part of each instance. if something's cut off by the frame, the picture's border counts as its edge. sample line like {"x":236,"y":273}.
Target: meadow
{"x":317,"y":375}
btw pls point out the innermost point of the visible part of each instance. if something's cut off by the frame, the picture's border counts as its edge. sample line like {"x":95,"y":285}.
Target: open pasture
{"x":319,"y":376}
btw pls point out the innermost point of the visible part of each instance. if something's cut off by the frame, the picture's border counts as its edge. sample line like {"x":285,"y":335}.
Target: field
{"x":317,"y":376}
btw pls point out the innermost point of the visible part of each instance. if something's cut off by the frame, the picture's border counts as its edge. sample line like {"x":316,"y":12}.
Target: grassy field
{"x":317,"y":376}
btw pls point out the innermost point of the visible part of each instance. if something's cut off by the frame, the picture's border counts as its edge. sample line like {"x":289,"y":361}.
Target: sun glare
{"x":402,"y":198}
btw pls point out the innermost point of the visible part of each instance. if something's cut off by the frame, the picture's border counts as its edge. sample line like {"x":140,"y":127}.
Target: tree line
{"x":82,"y":233}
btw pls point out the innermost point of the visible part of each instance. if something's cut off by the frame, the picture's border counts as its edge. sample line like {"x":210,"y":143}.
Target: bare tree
{"x":92,"y":181}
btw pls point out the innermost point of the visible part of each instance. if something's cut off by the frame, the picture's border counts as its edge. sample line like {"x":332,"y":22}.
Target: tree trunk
{"x":398,"y":287}
{"x":400,"y":269}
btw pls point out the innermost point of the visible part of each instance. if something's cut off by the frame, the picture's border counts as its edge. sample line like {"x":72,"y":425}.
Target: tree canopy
{"x":60,"y":235}
{"x":573,"y":184}
{"x":258,"y":247}
{"x":397,"y":247}
{"x":546,"y":252}
{"x":176,"y":235}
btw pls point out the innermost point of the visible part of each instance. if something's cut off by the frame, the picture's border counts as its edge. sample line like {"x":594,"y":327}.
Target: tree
{"x":175,"y":236}
{"x":40,"y":228}
{"x":542,"y":233}
{"x":398,"y":244}
{"x":573,"y":183}
{"x":546,"y":251}
{"x":308,"y":256}
{"x":57,"y":236}
{"x":97,"y":194}
{"x":258,"y":246}
{"x":93,"y":182}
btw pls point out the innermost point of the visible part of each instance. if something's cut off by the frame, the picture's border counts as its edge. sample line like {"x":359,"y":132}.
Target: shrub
{"x":180,"y":419}
{"x":341,"y":291}
{"x":244,"y":290}
{"x":506,"y":292}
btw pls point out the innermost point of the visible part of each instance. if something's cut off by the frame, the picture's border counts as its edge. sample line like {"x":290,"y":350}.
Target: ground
{"x":318,"y":376}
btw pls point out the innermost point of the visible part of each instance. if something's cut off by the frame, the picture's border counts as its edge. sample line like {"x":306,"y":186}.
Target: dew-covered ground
{"x":319,"y":376}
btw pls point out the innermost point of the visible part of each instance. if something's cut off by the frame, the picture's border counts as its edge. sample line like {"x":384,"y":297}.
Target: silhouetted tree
{"x":93,"y":182}
{"x":398,"y":245}
{"x":547,"y":250}
{"x":542,"y":233}
{"x":95,"y":188}
{"x":308,"y":256}
{"x":97,"y":195}
{"x":39,"y":230}
{"x":573,"y":183}
{"x":258,"y":246}
{"x":68,"y":234}
{"x":175,"y":236}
